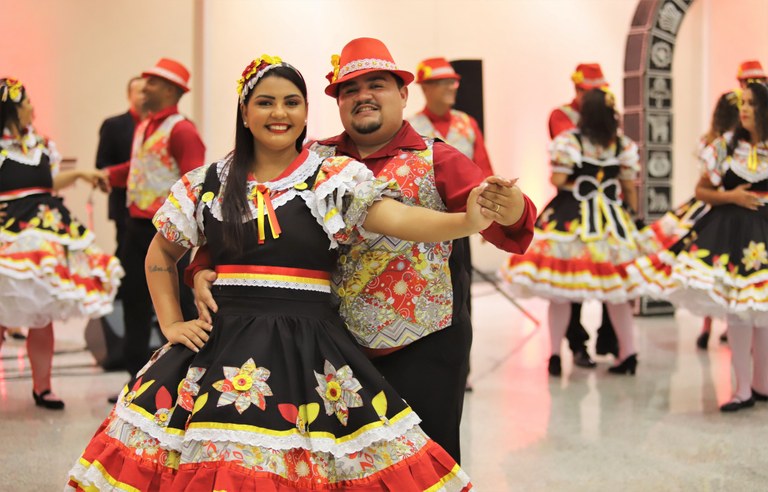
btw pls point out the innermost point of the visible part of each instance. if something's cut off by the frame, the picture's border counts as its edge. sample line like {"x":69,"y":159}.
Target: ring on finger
{"x":498,"y":207}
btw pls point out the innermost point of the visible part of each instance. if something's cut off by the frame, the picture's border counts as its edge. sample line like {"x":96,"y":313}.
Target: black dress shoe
{"x":45,"y":400}
{"x":582,"y":359}
{"x":759,"y":396}
{"x":113,"y":398}
{"x":627,"y":366}
{"x":735,"y":405}
{"x":703,"y":340}
{"x":555,"y":368}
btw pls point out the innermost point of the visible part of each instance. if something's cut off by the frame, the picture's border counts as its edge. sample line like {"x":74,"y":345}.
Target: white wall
{"x":76,"y":56}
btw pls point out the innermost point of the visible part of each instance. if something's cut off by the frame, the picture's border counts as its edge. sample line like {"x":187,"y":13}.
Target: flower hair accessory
{"x":734,"y":97}
{"x":610,"y":98}
{"x":254,"y":71}
{"x":11,"y":89}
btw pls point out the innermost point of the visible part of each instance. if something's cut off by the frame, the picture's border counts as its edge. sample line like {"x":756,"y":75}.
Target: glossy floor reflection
{"x":588,"y":430}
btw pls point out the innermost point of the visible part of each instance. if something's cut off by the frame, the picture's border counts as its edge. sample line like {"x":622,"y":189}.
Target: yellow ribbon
{"x":752,"y":160}
{"x":263,"y":203}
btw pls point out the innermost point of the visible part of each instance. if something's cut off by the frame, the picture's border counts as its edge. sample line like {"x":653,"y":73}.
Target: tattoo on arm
{"x":158,"y":268}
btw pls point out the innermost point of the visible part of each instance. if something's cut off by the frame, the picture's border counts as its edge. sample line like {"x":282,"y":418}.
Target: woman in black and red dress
{"x":720,"y":268}
{"x":275,"y":394}
{"x":49,"y":268}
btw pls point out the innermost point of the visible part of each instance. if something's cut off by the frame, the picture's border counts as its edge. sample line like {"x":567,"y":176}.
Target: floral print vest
{"x":153,"y":169}
{"x":394,"y":292}
{"x":461,"y":135}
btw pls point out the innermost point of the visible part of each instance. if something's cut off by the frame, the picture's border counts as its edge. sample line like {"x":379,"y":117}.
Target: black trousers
{"x":577,"y":336}
{"x":120,"y":231}
{"x":137,"y":303}
{"x":431,"y":374}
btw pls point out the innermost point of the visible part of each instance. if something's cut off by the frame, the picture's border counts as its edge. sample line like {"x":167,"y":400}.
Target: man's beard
{"x":367,"y":127}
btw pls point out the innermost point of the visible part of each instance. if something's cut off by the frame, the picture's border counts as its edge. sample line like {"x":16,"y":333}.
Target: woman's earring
{"x":245,"y":124}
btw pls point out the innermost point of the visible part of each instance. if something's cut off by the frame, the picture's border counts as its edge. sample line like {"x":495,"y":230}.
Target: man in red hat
{"x":566,"y":117}
{"x":406,"y":303}
{"x":750,"y":71}
{"x":439,"y":83}
{"x":166,"y":145}
{"x":115,"y":141}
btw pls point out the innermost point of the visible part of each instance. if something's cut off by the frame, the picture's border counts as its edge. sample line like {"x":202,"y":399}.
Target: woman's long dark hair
{"x":760,"y":103}
{"x":234,"y":205}
{"x":599,"y":122}
{"x":9,"y":110}
{"x":725,"y":117}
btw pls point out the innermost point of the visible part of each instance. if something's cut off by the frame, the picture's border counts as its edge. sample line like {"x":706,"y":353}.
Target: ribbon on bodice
{"x":752,"y":159}
{"x":601,"y":208}
{"x":260,"y":196}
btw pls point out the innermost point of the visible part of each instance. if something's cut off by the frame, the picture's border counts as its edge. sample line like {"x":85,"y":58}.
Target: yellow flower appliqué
{"x":333,"y":391}
{"x":755,"y":256}
{"x":338,"y":389}
{"x":242,"y":382}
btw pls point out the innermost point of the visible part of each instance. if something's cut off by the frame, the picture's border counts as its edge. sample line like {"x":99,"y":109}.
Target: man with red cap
{"x":166,"y":145}
{"x":406,"y":303}
{"x":750,"y":71}
{"x":439,"y":82}
{"x":586,"y":76}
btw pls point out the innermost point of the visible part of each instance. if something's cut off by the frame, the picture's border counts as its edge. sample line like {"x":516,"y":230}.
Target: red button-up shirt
{"x":559,"y":120}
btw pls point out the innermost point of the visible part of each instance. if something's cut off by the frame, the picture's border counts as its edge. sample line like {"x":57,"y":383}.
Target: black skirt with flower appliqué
{"x":279,"y":398}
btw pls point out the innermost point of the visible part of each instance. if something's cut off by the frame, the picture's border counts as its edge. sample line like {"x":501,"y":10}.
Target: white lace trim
{"x":253,"y":438}
{"x":567,"y":145}
{"x":72,"y":244}
{"x":272,"y":283}
{"x":184,"y":217}
{"x":300,"y":175}
{"x":738,"y":163}
{"x":330,"y":195}
{"x":365,"y":63}
{"x":139,"y":421}
{"x":315,"y":444}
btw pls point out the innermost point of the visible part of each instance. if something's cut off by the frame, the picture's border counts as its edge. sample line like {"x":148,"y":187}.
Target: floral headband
{"x":610,"y":97}
{"x":256,"y":70}
{"x":11,"y":89}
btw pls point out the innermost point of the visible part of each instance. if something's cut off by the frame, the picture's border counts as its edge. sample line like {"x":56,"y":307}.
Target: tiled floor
{"x":659,"y":430}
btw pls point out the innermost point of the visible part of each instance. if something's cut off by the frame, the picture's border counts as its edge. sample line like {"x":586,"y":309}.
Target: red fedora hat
{"x":172,"y":71}
{"x":435,"y":69}
{"x":750,"y":69}
{"x":589,"y":76}
{"x":358,"y":57}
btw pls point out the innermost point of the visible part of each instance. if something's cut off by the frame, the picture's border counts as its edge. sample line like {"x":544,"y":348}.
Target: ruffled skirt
{"x":49,"y":267}
{"x":720,"y":267}
{"x":279,"y":398}
{"x":568,"y":264}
